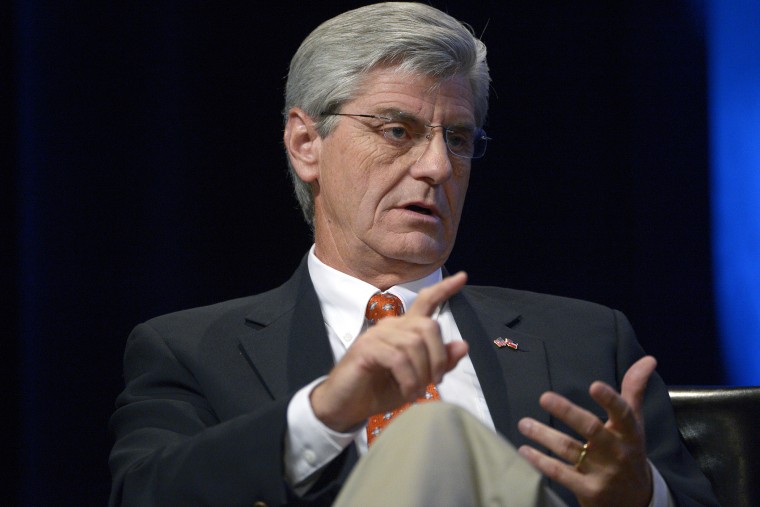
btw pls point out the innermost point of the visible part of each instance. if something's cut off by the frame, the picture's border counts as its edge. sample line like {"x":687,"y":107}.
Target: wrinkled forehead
{"x":390,"y":89}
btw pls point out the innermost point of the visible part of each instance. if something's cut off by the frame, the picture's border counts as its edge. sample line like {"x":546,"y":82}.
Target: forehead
{"x":388,"y":89}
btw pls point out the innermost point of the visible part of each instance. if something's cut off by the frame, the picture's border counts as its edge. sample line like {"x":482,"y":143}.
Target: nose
{"x":434,"y":164}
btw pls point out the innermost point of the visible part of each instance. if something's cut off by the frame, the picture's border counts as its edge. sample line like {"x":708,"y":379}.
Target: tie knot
{"x":383,"y":305}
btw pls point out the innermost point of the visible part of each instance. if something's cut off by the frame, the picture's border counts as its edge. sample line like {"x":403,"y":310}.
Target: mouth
{"x":419,"y":209}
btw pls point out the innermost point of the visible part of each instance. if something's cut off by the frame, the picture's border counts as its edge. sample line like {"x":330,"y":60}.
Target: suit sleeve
{"x":688,"y":486}
{"x":172,"y":449}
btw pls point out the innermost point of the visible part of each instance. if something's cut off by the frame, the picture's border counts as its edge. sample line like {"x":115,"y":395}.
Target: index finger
{"x":430,"y":297}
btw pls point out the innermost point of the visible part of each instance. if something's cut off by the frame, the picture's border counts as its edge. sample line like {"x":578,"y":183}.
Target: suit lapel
{"x":512,"y":380}
{"x":288,"y":346}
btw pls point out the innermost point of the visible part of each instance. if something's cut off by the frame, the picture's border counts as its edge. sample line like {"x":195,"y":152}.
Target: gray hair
{"x":328,"y":68}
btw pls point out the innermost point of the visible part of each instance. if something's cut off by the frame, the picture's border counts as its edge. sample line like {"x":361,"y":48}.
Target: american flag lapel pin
{"x":505,"y":342}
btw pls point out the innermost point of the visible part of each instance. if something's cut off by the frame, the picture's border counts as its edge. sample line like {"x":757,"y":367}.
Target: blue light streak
{"x":734,"y":77}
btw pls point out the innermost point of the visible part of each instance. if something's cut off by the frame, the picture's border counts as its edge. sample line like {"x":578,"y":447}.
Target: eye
{"x":397,"y":134}
{"x":459,"y":141}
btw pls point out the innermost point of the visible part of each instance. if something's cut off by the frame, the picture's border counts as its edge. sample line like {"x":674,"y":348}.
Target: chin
{"x":428,"y":252}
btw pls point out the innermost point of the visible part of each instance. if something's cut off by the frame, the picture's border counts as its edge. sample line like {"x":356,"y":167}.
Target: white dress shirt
{"x":309,"y":444}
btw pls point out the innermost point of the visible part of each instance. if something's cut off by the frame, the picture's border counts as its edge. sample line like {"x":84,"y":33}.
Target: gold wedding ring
{"x":582,"y":456}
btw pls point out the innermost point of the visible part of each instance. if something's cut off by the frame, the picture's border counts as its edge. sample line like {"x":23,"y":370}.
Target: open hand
{"x":613,"y":470}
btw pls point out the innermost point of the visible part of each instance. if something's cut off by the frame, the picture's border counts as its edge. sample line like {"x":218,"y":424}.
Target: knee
{"x":438,"y":412}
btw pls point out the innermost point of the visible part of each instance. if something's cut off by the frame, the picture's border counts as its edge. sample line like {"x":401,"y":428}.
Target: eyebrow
{"x":398,"y":115}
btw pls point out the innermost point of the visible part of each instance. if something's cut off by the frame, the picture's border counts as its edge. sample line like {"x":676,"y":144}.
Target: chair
{"x":721,"y":429}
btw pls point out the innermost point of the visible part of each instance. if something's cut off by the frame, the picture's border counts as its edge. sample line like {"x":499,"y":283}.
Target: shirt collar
{"x":343,"y":298}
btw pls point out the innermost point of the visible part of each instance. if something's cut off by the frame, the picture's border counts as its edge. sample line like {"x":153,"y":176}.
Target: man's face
{"x":385,"y":209}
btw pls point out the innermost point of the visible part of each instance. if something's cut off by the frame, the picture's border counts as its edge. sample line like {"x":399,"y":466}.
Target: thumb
{"x":455,"y":351}
{"x":635,"y":382}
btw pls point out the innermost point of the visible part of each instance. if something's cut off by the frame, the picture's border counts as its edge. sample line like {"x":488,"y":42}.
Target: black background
{"x":143,"y":172}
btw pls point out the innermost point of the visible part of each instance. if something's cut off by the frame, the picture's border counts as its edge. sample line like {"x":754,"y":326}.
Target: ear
{"x":303,"y":144}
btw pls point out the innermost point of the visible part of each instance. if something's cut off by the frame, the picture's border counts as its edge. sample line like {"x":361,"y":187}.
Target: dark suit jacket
{"x":203,"y":415}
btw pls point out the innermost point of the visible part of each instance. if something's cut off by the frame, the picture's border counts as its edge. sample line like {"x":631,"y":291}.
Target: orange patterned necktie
{"x":381,"y":306}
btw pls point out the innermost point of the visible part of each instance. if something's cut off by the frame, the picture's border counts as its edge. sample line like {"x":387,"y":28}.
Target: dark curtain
{"x":143,"y":172}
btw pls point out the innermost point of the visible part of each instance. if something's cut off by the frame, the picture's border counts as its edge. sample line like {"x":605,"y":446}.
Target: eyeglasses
{"x":402,"y":133}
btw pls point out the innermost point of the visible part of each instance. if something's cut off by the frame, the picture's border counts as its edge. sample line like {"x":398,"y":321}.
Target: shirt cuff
{"x":309,"y":444}
{"x":661,"y":496}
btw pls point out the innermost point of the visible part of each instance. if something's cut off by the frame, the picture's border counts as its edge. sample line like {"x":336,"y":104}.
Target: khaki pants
{"x":436,"y":454}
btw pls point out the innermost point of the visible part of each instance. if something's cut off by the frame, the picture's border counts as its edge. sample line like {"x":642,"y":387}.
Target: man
{"x":265,"y":399}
